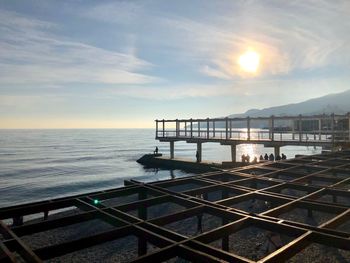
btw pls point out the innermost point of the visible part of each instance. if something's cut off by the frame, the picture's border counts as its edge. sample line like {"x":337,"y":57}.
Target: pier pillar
{"x":277,"y":150}
{"x":233,"y":153}
{"x":199,"y":151}
{"x":172,"y":146}
{"x":293,"y":130}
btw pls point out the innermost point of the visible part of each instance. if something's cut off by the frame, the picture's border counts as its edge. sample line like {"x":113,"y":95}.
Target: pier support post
{"x":199,"y":151}
{"x":233,"y":153}
{"x":172,"y":146}
{"x":277,"y":150}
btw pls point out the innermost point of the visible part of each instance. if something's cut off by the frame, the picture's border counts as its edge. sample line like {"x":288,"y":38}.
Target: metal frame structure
{"x":305,"y":201}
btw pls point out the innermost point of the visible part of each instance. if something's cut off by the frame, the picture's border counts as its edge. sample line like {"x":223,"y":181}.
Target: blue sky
{"x":80,"y":64}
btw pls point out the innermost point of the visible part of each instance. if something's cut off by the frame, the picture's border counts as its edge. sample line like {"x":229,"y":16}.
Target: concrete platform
{"x":157,"y":160}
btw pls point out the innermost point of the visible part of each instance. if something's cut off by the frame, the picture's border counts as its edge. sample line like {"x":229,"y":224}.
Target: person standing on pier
{"x":261,"y":158}
{"x":243,"y":158}
{"x":271,"y":157}
{"x":156,"y":151}
{"x":266,"y":157}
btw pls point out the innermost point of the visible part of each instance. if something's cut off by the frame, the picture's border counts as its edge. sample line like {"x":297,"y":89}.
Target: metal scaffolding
{"x":268,"y":212}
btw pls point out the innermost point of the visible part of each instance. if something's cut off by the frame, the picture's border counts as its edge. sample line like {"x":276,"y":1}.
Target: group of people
{"x":271,"y":157}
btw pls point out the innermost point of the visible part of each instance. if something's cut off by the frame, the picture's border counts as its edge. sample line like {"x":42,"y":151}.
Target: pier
{"x":328,"y":131}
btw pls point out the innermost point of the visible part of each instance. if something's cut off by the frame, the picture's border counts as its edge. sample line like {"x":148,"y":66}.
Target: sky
{"x":123,"y":64}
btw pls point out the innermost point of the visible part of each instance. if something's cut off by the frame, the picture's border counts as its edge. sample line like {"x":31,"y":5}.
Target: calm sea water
{"x":43,"y":164}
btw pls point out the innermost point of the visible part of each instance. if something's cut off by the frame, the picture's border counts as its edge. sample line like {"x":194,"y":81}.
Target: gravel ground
{"x":316,"y":253}
{"x":301,"y":215}
{"x":251,"y":242}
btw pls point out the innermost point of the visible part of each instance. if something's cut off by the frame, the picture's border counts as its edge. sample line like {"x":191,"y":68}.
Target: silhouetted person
{"x":266,"y":157}
{"x":247,"y":158}
{"x":156,"y":150}
{"x":278,"y":157}
{"x":284,"y":157}
{"x":243,"y":158}
{"x":271,"y":157}
{"x":261,"y":158}
{"x":255,"y":160}
{"x":197,"y":156}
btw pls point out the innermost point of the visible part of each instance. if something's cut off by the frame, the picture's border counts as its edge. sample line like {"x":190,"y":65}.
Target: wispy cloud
{"x":31,"y":54}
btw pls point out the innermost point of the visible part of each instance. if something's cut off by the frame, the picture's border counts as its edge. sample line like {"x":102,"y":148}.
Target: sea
{"x":38,"y":165}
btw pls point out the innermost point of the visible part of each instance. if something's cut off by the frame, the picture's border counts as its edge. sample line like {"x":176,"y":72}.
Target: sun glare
{"x":249,"y":61}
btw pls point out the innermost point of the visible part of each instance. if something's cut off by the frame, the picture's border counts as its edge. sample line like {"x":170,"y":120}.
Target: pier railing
{"x":317,"y":128}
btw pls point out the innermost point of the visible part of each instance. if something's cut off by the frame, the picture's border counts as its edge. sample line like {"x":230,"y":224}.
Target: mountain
{"x":338,"y":103}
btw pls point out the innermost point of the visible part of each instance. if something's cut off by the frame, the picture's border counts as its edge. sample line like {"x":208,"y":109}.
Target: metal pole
{"x":177,"y":128}
{"x":332,"y":128}
{"x":156,"y":129}
{"x":191,"y":128}
{"x":319,"y":129}
{"x":300,"y":128}
{"x":248,"y":128}
{"x":163,"y":128}
{"x":213,"y":128}
{"x":207,"y":128}
{"x":199,"y":129}
{"x":349,"y":125}
{"x":272,"y":128}
{"x":226,"y":127}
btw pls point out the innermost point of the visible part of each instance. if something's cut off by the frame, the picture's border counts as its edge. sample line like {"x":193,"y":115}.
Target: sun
{"x":249,"y":61}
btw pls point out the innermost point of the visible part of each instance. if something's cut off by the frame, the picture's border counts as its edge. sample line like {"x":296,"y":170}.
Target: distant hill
{"x":338,"y":103}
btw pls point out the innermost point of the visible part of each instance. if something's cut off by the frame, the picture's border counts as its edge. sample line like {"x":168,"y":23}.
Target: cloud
{"x":30,"y":53}
{"x":123,"y":12}
{"x":290,"y":36}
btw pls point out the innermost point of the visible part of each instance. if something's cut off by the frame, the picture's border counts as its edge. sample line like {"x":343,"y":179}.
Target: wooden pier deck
{"x":296,"y":209}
